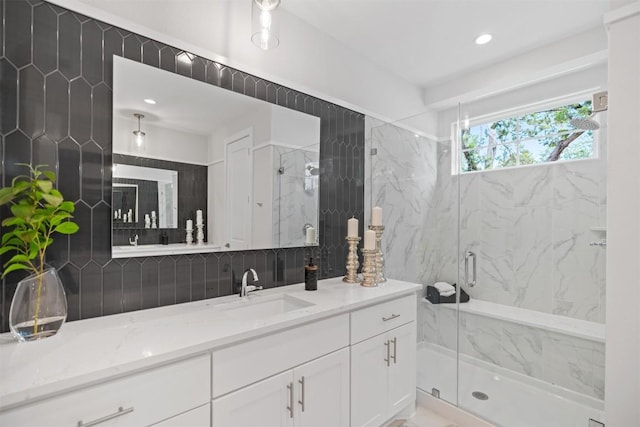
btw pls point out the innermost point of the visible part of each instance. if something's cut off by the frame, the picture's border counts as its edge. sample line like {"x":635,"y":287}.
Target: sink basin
{"x":139,"y":247}
{"x":258,"y":307}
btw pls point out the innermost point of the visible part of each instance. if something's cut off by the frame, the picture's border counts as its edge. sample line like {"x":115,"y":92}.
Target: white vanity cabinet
{"x":140,"y":399}
{"x":345,"y":359}
{"x":383,"y":361}
{"x":298,"y":377}
{"x":313,"y":394}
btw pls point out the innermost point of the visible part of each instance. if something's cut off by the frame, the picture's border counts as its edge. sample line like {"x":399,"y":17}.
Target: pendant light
{"x":265,"y":25}
{"x":138,"y":135}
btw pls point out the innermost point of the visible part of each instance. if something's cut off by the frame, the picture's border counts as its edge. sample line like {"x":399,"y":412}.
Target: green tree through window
{"x":539,"y":137}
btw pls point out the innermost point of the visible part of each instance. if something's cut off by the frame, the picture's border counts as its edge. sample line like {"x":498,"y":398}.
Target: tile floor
{"x":424,"y":418}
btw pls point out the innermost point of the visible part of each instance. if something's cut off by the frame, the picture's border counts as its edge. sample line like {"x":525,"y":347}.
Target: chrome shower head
{"x":584,"y":123}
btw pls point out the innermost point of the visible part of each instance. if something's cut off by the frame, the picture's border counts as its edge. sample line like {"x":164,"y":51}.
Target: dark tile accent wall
{"x":192,"y":190}
{"x":56,"y":81}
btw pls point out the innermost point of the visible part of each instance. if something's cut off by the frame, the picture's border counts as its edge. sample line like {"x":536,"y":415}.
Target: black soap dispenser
{"x":310,"y":276}
{"x":164,"y":239}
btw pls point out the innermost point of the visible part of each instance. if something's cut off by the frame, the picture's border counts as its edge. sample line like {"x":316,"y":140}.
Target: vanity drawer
{"x":379,"y":318}
{"x":251,"y":361}
{"x":137,"y":400}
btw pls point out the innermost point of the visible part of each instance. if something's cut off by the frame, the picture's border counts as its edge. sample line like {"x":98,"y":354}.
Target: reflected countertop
{"x":130,"y":251}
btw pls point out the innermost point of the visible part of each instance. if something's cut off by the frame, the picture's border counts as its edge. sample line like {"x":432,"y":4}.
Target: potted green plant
{"x":39,"y":305}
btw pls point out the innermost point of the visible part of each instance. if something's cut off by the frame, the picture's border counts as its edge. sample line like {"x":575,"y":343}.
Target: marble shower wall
{"x":530,"y":228}
{"x":404,"y":183}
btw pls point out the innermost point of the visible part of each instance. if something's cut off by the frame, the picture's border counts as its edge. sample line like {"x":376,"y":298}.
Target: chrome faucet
{"x":245,"y":289}
{"x":133,"y":241}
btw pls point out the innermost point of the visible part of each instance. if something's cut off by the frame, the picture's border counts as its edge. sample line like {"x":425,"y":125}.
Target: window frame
{"x":456,"y":143}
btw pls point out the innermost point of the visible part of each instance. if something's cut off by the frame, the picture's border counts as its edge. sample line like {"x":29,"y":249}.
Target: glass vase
{"x":39,"y":307}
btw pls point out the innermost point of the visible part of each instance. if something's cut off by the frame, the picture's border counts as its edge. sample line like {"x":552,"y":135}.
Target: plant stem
{"x":38,"y":294}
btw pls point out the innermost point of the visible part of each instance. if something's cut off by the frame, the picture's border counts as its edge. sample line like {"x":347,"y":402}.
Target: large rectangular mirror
{"x":182,"y":146}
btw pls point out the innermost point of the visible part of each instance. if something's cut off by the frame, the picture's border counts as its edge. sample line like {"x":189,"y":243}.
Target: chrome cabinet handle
{"x":468,"y":255}
{"x":393,"y":316}
{"x":395,"y":346}
{"x":386,"y":344}
{"x":290,"y":407}
{"x":121,"y":412}
{"x":301,"y":401}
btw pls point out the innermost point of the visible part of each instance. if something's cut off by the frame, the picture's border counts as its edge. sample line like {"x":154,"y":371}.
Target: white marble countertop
{"x":90,"y":351}
{"x":129,"y":251}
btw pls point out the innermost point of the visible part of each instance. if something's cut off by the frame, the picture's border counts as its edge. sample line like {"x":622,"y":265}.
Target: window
{"x":533,"y":138}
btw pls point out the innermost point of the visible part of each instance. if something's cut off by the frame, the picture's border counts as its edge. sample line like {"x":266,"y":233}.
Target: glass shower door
{"x":409,"y":173}
{"x":531,"y":255}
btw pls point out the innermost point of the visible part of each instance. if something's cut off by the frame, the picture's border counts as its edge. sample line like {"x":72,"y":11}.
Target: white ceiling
{"x":386,"y":58}
{"x":182,"y":104}
{"x":428,"y":41}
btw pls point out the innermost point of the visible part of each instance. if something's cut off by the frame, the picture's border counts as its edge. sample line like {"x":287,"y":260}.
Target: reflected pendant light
{"x":265,"y":25}
{"x":138,"y":135}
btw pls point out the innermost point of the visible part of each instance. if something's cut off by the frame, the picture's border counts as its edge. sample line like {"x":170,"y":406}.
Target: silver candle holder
{"x":369,"y":268}
{"x":379,"y":259}
{"x":200,"y":234}
{"x":189,"y":236}
{"x":352,"y":260}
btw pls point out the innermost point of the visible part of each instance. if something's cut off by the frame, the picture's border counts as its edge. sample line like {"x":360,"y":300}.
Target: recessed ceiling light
{"x":150,"y":101}
{"x":483,"y":39}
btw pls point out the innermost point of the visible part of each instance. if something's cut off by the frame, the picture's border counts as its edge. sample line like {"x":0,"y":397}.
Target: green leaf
{"x":67,"y":228}
{"x":45,"y":186}
{"x":21,"y":211}
{"x":67,"y":206}
{"x":7,"y":237}
{"x":52,"y":199}
{"x":50,"y":175}
{"x":59,"y":217}
{"x":17,"y":258}
{"x":7,"y":248}
{"x":6,"y":195}
{"x":15,"y":267}
{"x":33,"y":250}
{"x":12,"y":221}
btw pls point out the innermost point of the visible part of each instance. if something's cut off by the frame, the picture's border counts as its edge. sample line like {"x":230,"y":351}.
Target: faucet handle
{"x":251,"y":288}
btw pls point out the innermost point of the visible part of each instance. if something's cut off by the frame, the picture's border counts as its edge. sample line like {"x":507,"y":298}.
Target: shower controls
{"x":468,"y":255}
{"x":601,"y":243}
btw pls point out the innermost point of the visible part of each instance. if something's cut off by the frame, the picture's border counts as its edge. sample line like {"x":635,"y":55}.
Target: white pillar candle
{"x":153,"y":214}
{"x":352,"y":227}
{"x":311,"y":236}
{"x":189,"y":224}
{"x":376,"y":216}
{"x":199,"y":217}
{"x":370,"y":240}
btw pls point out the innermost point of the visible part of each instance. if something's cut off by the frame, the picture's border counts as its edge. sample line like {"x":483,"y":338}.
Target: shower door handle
{"x":468,"y":255}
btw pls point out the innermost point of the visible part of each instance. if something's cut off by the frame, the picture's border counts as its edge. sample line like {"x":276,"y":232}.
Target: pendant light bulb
{"x":264,"y":24}
{"x":138,"y":135}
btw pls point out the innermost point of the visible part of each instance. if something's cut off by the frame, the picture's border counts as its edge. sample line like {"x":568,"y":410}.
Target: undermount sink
{"x":139,"y":247}
{"x":257,"y":307}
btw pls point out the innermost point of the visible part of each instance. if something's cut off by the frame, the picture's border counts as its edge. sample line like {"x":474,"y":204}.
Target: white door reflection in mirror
{"x":239,"y":183}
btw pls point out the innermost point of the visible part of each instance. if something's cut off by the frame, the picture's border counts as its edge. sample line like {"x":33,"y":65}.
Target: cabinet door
{"x":262,"y":404}
{"x":402,"y":370}
{"x":369,"y":382}
{"x":322,"y":391}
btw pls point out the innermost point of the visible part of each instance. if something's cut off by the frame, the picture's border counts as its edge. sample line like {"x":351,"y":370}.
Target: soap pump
{"x":310,"y":276}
